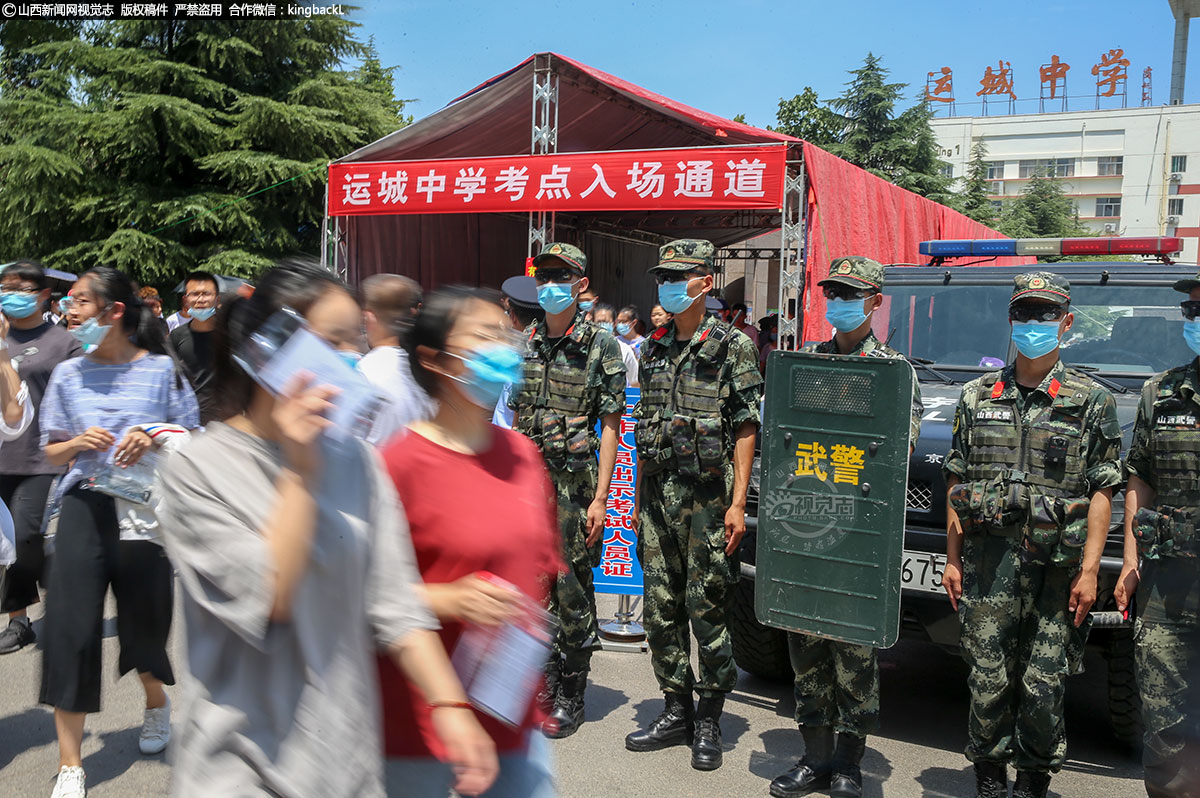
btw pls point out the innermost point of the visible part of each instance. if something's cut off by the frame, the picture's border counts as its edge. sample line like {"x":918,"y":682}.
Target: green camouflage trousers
{"x":688,"y":579}
{"x":837,"y":684}
{"x":1168,"y":674}
{"x":572,"y":598}
{"x":1021,"y":644}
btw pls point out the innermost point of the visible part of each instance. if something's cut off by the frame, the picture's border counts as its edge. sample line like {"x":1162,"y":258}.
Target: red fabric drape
{"x":853,"y":212}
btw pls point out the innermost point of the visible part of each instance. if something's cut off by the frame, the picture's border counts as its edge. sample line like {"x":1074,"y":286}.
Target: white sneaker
{"x":69,"y":783}
{"x":156,"y":729}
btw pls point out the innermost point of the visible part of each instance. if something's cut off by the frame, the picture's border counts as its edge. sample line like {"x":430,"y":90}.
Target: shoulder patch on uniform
{"x":658,"y":334}
{"x":1055,"y":385}
{"x":997,"y":389}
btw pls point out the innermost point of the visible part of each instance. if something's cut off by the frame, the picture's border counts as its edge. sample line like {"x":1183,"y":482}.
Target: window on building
{"x":1108,"y":207}
{"x":1110,"y":164}
{"x":996,"y":187}
{"x":995,"y":170}
{"x":1175,"y":206}
{"x":1178,"y":163}
{"x":1048,"y":167}
{"x":947,"y":170}
{"x":997,"y":205}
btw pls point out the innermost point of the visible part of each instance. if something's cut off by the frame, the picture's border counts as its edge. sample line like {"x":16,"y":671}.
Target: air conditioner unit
{"x":1172,"y":220}
{"x":1110,"y":228}
{"x":1176,"y":177}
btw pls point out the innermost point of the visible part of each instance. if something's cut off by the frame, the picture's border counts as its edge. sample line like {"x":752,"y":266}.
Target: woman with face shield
{"x":484,"y":524}
{"x":295,"y":563}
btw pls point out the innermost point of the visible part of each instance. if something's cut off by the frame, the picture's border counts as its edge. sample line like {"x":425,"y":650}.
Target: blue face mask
{"x":202,"y":314}
{"x":845,"y":315}
{"x":17,"y":305}
{"x":624,"y":329}
{"x":607,"y":326}
{"x":1035,"y":338}
{"x":490,"y":369}
{"x":91,"y":333}
{"x":349,"y":358}
{"x":586,"y":306}
{"x":674,"y":296}
{"x":557,"y":297}
{"x":1191,"y":334}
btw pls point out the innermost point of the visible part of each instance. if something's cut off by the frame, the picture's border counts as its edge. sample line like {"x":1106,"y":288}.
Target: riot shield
{"x":834,"y":473}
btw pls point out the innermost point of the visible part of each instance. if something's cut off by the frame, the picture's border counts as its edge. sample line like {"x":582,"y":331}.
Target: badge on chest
{"x":1176,"y":420}
{"x":996,"y":415}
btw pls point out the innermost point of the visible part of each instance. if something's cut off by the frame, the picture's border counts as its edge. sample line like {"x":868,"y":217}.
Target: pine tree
{"x":806,"y":117}
{"x":374,"y":76}
{"x":167,"y":120}
{"x":1041,"y":211}
{"x":975,"y":202}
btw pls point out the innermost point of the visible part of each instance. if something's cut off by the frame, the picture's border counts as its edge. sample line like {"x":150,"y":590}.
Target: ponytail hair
{"x":139,"y":322}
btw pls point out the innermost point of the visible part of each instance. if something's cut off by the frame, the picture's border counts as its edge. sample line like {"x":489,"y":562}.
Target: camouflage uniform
{"x":1166,"y":455}
{"x":1029,"y":462}
{"x":695,"y":395}
{"x":569,"y":384}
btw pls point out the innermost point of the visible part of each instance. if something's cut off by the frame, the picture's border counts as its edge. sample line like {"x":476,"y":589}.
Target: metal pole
{"x":325,"y":227}
{"x":791,"y":255}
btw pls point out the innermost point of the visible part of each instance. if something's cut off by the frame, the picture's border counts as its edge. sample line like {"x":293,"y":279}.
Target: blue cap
{"x":521,"y":290}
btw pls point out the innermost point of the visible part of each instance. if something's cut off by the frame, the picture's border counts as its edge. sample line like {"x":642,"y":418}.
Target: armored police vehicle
{"x":952,"y":323}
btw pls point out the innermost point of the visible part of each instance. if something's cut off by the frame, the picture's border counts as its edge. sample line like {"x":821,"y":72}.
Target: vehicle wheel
{"x":757,"y":649}
{"x":1124,"y":703}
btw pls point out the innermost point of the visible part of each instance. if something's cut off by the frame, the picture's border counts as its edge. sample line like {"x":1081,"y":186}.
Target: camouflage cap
{"x":1186,"y":285}
{"x":856,"y":272}
{"x":1041,"y":285}
{"x":685,"y":255}
{"x":571,"y":256}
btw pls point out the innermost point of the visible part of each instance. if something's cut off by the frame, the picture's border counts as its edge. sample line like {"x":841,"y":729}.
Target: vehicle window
{"x":1117,"y":328}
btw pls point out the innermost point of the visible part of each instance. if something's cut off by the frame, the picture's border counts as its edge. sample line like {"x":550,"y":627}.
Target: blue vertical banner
{"x":619,"y":570}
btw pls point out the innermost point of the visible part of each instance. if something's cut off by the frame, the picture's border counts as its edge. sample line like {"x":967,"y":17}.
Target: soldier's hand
{"x":952,"y":581}
{"x":595,"y":520}
{"x":1127,"y":584}
{"x":1083,"y":595}
{"x":735,"y":528}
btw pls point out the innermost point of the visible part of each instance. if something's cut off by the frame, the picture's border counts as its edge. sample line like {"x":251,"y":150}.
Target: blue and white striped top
{"x":114,"y":396}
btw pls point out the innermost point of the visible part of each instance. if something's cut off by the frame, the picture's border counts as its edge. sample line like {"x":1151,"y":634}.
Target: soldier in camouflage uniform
{"x":573,"y":377}
{"x":1162,"y":506}
{"x":1033,"y":462}
{"x":837,"y":684}
{"x":699,"y":409}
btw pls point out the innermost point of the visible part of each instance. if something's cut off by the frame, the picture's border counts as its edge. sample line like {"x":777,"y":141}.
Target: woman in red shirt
{"x":478,"y":501}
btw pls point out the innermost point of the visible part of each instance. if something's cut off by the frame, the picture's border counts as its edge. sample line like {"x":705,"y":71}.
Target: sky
{"x":742,"y":56}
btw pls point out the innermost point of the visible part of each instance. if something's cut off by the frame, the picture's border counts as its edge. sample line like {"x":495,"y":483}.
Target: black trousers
{"x":25,"y":496}
{"x":88,"y":557}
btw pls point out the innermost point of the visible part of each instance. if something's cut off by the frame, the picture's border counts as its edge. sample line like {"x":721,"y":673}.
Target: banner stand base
{"x":623,"y":630}
{"x":624,"y":648}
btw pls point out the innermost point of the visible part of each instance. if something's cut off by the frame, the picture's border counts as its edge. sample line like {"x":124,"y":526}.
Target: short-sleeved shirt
{"x":34,"y":355}
{"x":284,"y":708}
{"x":387,"y":368}
{"x":494,"y":511}
{"x":873,"y":347}
{"x":739,"y":378}
{"x":195,"y":350}
{"x":1101,"y":446}
{"x":113,"y":396}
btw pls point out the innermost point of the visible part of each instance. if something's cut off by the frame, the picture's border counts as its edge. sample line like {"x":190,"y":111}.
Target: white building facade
{"x":1129,"y":171}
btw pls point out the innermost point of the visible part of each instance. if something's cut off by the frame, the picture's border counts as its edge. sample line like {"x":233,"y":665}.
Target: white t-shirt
{"x":386,"y":367}
{"x":630,"y":357}
{"x":176,"y":320}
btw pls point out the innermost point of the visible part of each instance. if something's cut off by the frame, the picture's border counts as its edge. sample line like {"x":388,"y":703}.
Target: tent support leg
{"x":543,"y":140}
{"x":791,"y":256}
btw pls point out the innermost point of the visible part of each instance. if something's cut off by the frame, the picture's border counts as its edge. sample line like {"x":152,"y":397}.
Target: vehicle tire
{"x":1124,"y":702}
{"x":757,"y":649}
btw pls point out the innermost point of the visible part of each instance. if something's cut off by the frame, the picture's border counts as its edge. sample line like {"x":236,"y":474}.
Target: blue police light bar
{"x":979,"y":246}
{"x":942,"y":249}
{"x":1098,"y":245}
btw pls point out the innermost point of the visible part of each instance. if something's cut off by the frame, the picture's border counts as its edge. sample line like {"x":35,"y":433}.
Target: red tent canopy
{"x":849,"y":211}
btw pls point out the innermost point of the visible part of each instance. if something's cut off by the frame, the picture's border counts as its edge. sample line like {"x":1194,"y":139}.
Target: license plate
{"x":922,"y":571}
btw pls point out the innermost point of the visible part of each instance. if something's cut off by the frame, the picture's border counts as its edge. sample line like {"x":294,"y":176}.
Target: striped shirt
{"x":114,"y":396}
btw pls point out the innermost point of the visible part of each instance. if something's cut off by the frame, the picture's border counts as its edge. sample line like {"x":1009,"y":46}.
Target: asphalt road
{"x":917,"y":753}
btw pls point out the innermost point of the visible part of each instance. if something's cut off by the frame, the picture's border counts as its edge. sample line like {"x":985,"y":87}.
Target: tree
{"x":975,"y":202}
{"x":134,"y":144}
{"x":1041,"y":211}
{"x":374,"y":76}
{"x":806,"y":117}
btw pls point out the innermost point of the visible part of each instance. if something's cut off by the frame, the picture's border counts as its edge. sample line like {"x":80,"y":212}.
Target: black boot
{"x":568,"y":706}
{"x":813,"y":770}
{"x":706,"y":746}
{"x":1030,"y":784}
{"x":549,"y":689}
{"x":672,"y":727}
{"x":991,"y":780}
{"x":847,"y":775}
